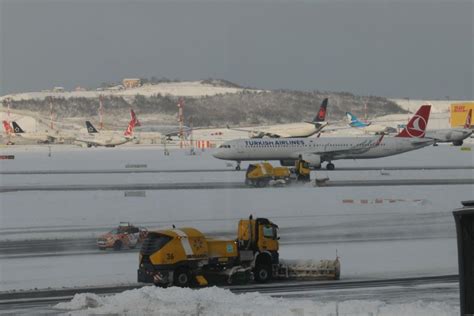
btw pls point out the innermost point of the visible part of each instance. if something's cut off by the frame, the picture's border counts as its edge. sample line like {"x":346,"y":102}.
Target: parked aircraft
{"x":291,"y":130}
{"x":40,"y":137}
{"x":454,"y":135}
{"x":94,"y":138}
{"x":317,"y":150}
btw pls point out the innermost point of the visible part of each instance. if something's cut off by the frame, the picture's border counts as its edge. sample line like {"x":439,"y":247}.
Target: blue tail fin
{"x":354,"y":121}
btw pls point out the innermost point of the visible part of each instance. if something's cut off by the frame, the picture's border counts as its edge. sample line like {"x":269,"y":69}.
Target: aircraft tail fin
{"x":321,"y":116}
{"x":416,"y":127}
{"x":468,"y":119}
{"x":129,"y":131}
{"x":90,"y":128}
{"x":134,"y":118}
{"x":354,"y":121}
{"x":17,"y":128}
{"x":7,"y":127}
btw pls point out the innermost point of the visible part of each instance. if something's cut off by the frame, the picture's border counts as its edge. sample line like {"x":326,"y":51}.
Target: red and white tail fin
{"x":7,"y":127}
{"x":134,"y":118}
{"x":129,"y":131}
{"x":468,"y":119}
{"x":416,"y":127}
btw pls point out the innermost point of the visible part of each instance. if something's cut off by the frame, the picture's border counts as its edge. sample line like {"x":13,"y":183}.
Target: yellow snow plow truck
{"x":263,"y":174}
{"x":185,"y":257}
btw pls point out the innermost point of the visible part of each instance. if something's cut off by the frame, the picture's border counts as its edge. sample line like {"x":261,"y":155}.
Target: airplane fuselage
{"x":327,"y":148}
{"x":449,"y":135}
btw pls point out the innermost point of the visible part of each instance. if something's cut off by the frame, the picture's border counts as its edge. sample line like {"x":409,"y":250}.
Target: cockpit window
{"x":224,"y":146}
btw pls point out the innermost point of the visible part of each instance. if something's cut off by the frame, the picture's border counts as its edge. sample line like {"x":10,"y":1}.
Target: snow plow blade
{"x":310,"y":269}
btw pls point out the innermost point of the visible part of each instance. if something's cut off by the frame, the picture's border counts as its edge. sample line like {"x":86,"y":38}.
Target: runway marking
{"x":227,"y":185}
{"x":138,"y":170}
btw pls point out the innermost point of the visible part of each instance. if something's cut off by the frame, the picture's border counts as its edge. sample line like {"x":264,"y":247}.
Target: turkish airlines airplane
{"x":454,"y":135}
{"x":290,"y":130}
{"x":315,"y":151}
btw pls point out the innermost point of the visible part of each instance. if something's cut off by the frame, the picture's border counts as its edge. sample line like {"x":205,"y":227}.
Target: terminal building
{"x":130,"y":83}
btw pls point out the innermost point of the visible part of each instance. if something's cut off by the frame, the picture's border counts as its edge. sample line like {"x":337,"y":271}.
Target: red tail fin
{"x":321,"y":116}
{"x":468,"y":119}
{"x":134,"y":118}
{"x":129,"y":131}
{"x":7,"y":127}
{"x":416,"y":127}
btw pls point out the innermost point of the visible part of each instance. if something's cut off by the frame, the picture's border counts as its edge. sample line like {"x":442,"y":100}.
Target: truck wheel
{"x":182,"y":277}
{"x":117,"y":245}
{"x":263,"y":273}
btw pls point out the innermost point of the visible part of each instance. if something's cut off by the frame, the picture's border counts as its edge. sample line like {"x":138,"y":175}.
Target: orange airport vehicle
{"x":125,"y":235}
{"x":186,"y":257}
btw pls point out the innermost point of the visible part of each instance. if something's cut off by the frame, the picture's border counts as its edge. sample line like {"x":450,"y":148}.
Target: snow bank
{"x":217,"y":301}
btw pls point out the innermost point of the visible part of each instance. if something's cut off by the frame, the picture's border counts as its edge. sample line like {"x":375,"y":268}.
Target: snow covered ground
{"x":378,"y":232}
{"x":215,"y":301}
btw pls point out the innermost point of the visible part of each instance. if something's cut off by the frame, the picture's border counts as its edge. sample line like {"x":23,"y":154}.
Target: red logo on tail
{"x":416,"y":127}
{"x":322,"y":114}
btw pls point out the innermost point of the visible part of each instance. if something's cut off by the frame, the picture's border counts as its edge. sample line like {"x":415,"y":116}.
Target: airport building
{"x":130,"y":83}
{"x":459,"y":113}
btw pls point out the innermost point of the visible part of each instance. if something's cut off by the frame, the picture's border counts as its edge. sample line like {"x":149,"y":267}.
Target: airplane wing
{"x":359,"y":148}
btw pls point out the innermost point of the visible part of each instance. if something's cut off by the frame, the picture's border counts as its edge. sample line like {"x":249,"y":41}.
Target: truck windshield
{"x":154,"y":242}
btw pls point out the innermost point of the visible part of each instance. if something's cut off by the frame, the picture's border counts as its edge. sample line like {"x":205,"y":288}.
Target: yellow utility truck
{"x":186,"y":257}
{"x":263,"y":174}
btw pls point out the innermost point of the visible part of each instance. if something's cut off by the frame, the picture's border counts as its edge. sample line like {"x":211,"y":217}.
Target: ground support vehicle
{"x":186,"y":257}
{"x":124,"y":236}
{"x":263,"y":174}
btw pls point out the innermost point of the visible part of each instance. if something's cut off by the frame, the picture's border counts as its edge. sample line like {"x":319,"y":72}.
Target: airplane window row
{"x":224,"y":146}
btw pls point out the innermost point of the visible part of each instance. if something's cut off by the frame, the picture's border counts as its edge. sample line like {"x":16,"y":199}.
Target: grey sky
{"x":395,"y":48}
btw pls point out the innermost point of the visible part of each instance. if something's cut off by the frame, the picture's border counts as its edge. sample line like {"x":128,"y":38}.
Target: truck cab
{"x":258,"y":239}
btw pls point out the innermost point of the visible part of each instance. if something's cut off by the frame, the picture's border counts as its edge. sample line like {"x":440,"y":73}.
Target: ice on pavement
{"x":217,"y":301}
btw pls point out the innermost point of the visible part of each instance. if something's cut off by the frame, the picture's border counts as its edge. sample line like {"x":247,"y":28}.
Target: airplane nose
{"x":218,"y":154}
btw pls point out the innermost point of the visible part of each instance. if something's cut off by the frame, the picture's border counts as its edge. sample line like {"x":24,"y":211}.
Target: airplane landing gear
{"x":330,"y":166}
{"x":238,"y":166}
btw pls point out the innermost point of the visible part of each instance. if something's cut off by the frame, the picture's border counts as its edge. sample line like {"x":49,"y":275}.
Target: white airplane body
{"x":53,"y":136}
{"x":103,"y":140}
{"x":317,"y":150}
{"x":94,"y":138}
{"x":290,"y":130}
{"x":454,"y":135}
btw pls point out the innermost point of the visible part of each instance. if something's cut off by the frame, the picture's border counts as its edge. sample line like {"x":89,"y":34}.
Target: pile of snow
{"x":217,"y":301}
{"x":183,"y":89}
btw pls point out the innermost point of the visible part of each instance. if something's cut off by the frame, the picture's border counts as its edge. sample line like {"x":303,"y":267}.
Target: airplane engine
{"x":314,"y":161}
